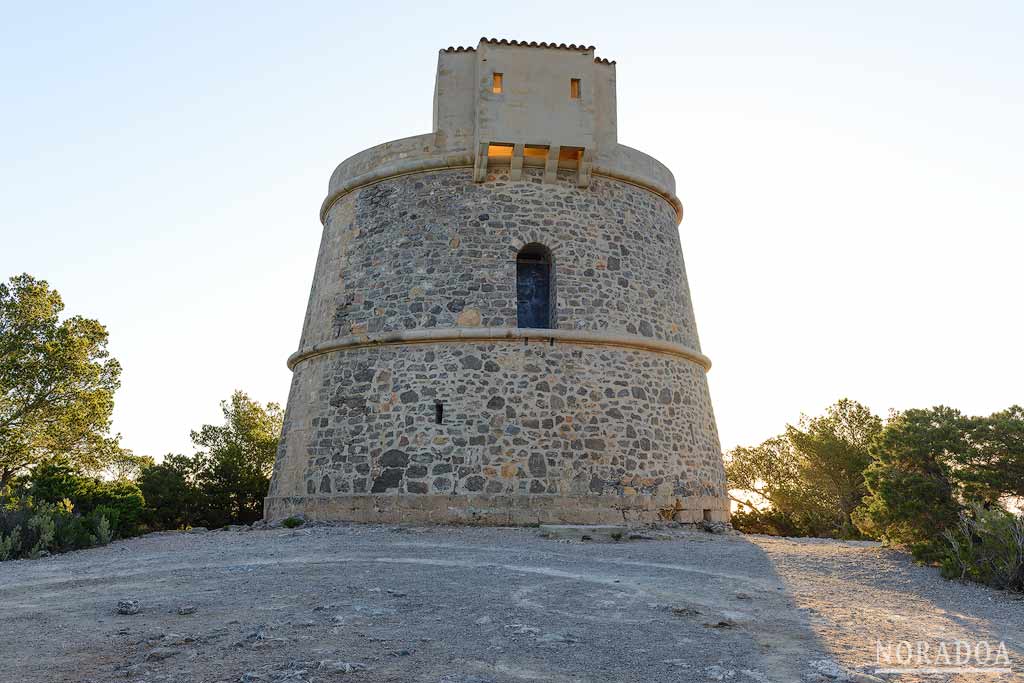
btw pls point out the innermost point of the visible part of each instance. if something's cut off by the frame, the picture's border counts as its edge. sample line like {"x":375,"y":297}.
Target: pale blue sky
{"x":852,"y":181}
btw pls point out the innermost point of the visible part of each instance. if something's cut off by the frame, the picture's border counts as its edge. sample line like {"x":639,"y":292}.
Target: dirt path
{"x":468,"y":605}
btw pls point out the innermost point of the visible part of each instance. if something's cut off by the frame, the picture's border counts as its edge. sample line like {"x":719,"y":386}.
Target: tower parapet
{"x":499,"y":328}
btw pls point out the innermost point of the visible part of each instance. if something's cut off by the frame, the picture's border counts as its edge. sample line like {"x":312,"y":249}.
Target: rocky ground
{"x":483,"y":605}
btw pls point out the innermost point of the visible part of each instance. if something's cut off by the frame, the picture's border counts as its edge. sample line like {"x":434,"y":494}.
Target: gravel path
{"x":483,"y":605}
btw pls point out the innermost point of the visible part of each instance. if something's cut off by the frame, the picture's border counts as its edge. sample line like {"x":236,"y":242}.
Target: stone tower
{"x":499,"y":329}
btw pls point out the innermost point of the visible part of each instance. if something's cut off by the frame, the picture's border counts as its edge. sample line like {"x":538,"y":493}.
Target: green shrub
{"x":771,"y":521}
{"x":34,"y":528}
{"x":10,"y":544}
{"x":121,"y":501}
{"x":103,"y":533}
{"x":987,"y":546}
{"x":292,"y":522}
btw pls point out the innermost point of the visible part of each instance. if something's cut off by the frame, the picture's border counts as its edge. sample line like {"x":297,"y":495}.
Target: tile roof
{"x":523,"y":43}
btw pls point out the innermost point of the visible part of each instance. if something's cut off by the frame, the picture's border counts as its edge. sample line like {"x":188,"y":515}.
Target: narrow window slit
{"x":497,"y":84}
{"x":439,"y":413}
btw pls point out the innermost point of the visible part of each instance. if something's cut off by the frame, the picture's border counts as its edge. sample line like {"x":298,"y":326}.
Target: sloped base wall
{"x":499,"y":510}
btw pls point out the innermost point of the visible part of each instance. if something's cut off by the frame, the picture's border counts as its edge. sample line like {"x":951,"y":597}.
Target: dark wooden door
{"x":533,"y":292}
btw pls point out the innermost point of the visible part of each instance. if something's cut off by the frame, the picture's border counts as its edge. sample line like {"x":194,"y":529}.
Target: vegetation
{"x":292,"y":522}
{"x":811,"y":476}
{"x":226,"y":480}
{"x":987,"y":546}
{"x":933,"y":480}
{"x":65,"y":481}
{"x":913,"y":493}
{"x":57,"y":382}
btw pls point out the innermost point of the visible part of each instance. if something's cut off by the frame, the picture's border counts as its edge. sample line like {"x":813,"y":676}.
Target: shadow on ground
{"x":451,"y":605}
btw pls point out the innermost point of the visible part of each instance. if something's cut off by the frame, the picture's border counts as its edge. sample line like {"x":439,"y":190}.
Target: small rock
{"x":833,"y":671}
{"x":681,"y":663}
{"x":483,"y":620}
{"x":743,"y":596}
{"x":724,"y":623}
{"x":685,"y":611}
{"x":375,"y":611}
{"x":252,"y":637}
{"x":558,"y":638}
{"x":197,"y":530}
{"x":336,"y":666}
{"x":128,"y":607}
{"x":251,"y":677}
{"x":400,"y":653}
{"x":268,"y":642}
{"x":717,"y":673}
{"x":161,"y":653}
{"x":397,"y":594}
{"x":523,"y":629}
{"x":187,"y":609}
{"x":339,"y":619}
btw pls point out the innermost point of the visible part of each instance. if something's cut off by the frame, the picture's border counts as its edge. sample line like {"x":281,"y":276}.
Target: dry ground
{"x":476,"y":605}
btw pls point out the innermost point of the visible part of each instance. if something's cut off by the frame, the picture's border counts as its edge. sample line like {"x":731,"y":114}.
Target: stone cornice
{"x":344,"y":183}
{"x":437,"y":335}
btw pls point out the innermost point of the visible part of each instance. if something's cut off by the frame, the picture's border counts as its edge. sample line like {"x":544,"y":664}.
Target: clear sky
{"x":852,"y":179}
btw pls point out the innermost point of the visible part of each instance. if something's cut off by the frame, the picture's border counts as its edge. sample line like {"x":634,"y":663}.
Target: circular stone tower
{"x":499,"y":329}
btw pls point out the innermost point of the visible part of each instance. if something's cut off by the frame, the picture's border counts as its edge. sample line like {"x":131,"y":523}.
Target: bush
{"x":770,"y":521}
{"x":987,"y":546}
{"x":31,"y":529}
{"x":292,"y":522}
{"x":10,"y":544}
{"x":120,"y":502}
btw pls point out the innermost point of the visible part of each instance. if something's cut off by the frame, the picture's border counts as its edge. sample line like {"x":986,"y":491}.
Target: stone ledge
{"x":497,"y":510}
{"x":422,"y":154}
{"x":480,"y":334}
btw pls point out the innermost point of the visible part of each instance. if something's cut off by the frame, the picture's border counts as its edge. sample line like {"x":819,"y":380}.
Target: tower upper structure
{"x":547,"y":101}
{"x":518,"y":104}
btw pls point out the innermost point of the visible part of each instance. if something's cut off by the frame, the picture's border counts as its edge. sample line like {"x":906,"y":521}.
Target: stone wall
{"x":589,"y":432}
{"x":437,"y":250}
{"x":517,"y":419}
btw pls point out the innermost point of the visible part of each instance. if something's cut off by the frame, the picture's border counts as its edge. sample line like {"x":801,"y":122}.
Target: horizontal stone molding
{"x":498,"y":510}
{"x":499,"y":334}
{"x":438,"y":162}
